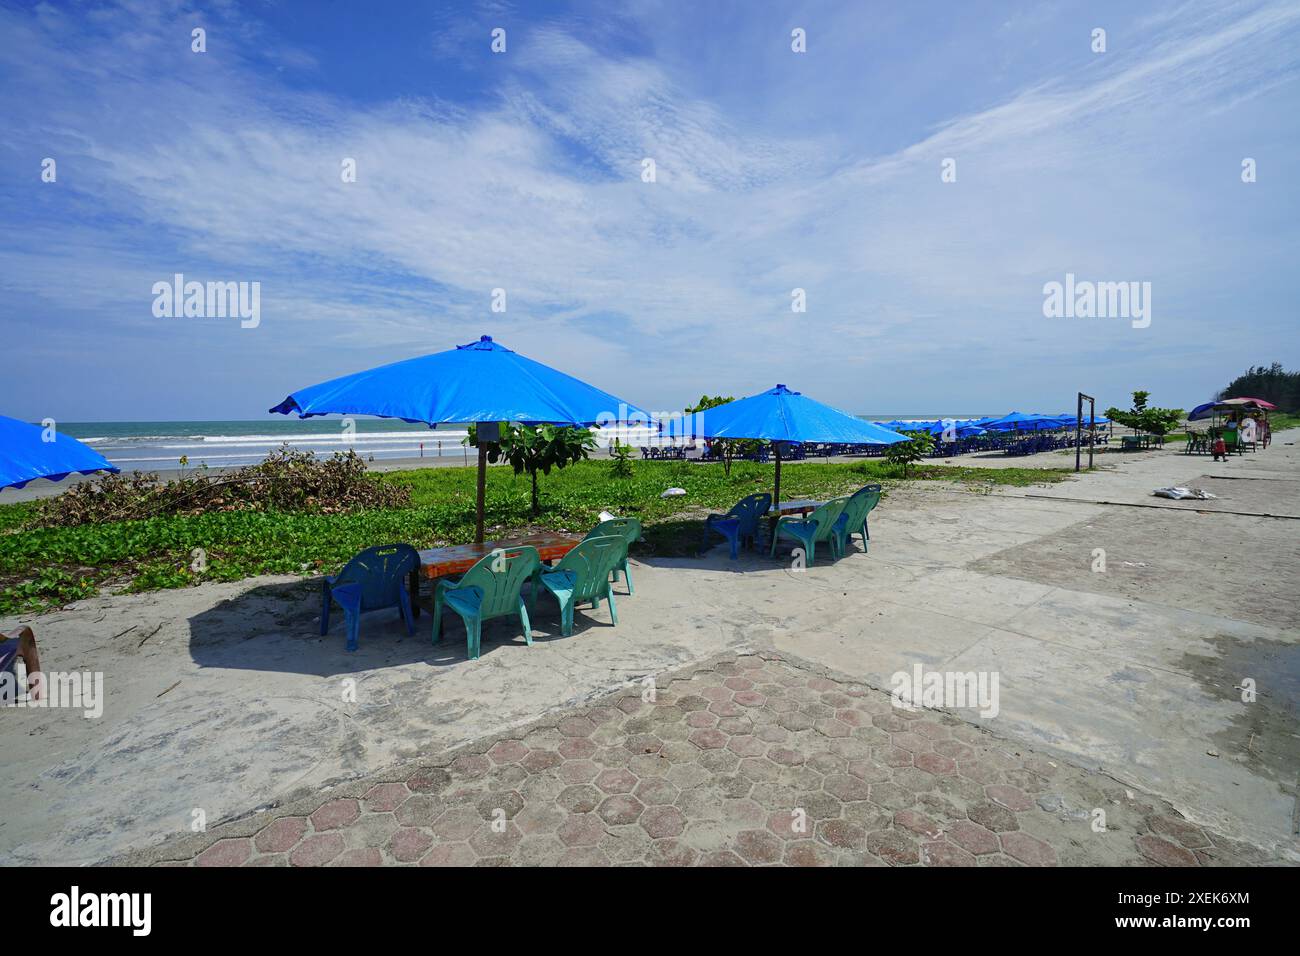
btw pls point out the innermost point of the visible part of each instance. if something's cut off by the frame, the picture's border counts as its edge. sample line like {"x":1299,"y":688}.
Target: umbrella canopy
{"x":25,"y":454}
{"x":480,"y":382}
{"x":1019,"y":421}
{"x":782,"y":415}
{"x":1256,"y":402}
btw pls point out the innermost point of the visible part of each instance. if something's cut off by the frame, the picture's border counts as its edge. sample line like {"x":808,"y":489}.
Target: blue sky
{"x":775,"y":170}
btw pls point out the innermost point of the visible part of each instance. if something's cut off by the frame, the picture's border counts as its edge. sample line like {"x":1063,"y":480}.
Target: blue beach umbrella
{"x":1019,"y":421}
{"x":781,"y":415}
{"x":25,"y":454}
{"x":476,"y":383}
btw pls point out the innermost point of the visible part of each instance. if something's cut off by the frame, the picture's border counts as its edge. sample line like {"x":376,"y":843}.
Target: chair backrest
{"x":592,"y":562}
{"x":749,"y":509}
{"x":500,"y":575}
{"x":381,"y":573}
{"x":860,"y":504}
{"x":825,"y":515}
{"x":629,"y":528}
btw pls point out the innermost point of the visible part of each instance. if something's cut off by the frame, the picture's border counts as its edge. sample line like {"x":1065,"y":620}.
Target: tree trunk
{"x":536,"y":507}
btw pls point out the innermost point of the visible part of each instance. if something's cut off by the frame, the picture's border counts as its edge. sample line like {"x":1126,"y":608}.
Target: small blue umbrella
{"x":25,"y":454}
{"x":480,"y":382}
{"x":781,"y":415}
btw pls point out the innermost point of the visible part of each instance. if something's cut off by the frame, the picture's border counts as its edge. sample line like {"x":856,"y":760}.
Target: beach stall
{"x":31,"y":451}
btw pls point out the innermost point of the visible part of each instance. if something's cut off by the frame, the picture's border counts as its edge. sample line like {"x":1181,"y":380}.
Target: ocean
{"x":159,"y":446}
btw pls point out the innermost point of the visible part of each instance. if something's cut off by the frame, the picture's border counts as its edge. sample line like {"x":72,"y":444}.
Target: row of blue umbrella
{"x":1011,"y":422}
{"x":480,"y":382}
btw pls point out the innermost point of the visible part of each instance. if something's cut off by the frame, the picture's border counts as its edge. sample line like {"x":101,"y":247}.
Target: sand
{"x":223,"y":698}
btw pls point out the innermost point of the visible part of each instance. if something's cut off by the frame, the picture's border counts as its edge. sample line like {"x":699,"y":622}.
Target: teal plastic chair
{"x":491,"y":588}
{"x":584,"y":575}
{"x":374,"y":579}
{"x":740,"y":524}
{"x":630,"y":530}
{"x":853,"y":519}
{"x":818,"y":526}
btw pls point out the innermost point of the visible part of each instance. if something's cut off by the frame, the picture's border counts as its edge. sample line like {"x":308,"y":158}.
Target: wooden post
{"x":482,"y":485}
{"x":776,"y":451}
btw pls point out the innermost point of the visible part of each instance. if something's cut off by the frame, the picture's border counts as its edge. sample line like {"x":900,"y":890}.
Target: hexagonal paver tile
{"x":581,"y":829}
{"x":1188,"y":834}
{"x":758,"y":846}
{"x":1155,"y":849}
{"x":656,"y":790}
{"x":386,"y":797}
{"x":409,"y":844}
{"x":576,"y":748}
{"x":708,"y":738}
{"x":620,"y":808}
{"x":993,"y":817}
{"x":280,"y":835}
{"x":807,"y":853}
{"x":616,"y":780}
{"x":1029,"y":850}
{"x":578,"y":771}
{"x":457,"y":823}
{"x":498,"y":839}
{"x":449,"y":854}
{"x":936,"y":764}
{"x":1012,"y":798}
{"x":228,"y":852}
{"x":578,"y":726}
{"x":507,"y":751}
{"x":539,"y":761}
{"x":918,"y":823}
{"x":847,"y":787}
{"x":317,"y":850}
{"x":943,"y":853}
{"x":841,"y":834}
{"x":893,"y":847}
{"x":973,"y":837}
{"x":335,"y":814}
{"x":662,"y":822}
{"x":359,"y":856}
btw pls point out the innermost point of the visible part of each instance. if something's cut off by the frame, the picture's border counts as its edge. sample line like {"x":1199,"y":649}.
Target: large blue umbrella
{"x":25,"y":454}
{"x":480,"y":382}
{"x":1019,"y":421}
{"x":781,"y":415}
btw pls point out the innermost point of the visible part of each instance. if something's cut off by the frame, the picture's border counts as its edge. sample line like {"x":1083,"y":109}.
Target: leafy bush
{"x":729,"y":448}
{"x":621,"y":466}
{"x":534,"y":448}
{"x":907,"y":453}
{"x":287,"y":480}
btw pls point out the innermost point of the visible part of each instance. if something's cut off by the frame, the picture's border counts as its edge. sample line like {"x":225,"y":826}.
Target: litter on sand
{"x":1179,"y":492}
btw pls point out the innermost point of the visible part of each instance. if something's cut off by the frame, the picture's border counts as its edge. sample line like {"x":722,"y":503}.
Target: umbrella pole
{"x":482,"y":484}
{"x":776,"y":450}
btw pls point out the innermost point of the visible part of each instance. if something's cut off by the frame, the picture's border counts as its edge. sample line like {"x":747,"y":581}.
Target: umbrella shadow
{"x":275,"y":628}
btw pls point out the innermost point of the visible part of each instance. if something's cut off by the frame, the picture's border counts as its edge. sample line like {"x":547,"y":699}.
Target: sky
{"x":525,"y":171}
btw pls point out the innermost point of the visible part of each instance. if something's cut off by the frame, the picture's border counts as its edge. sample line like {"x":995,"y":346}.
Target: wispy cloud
{"x":212,"y":165}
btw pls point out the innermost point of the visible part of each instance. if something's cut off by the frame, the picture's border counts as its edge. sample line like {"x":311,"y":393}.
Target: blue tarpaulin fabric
{"x":480,"y":382}
{"x":25,"y":455}
{"x":780,"y":414}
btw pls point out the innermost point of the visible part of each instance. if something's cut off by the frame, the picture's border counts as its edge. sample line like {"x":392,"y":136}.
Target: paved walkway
{"x":745,"y":760}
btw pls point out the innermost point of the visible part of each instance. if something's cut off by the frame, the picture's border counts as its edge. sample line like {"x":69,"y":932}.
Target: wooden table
{"x":801,"y":507}
{"x":458,"y":558}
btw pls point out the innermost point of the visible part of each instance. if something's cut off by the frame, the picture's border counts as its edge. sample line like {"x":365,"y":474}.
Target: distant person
{"x":21,"y":643}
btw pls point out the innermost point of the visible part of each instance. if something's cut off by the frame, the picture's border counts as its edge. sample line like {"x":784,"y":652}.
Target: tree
{"x":621,"y":466}
{"x":531,"y":449}
{"x":1272,"y":384}
{"x":905,"y":453}
{"x":729,"y":447}
{"x":1152,"y":421}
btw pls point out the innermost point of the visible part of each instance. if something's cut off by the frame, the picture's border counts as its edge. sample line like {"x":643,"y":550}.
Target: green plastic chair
{"x":853,"y":519}
{"x":491,"y":588}
{"x":584,"y":575}
{"x":818,"y":526}
{"x":630,"y":530}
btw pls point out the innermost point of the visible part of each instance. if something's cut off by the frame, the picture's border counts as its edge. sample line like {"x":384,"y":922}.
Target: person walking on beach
{"x":21,"y":643}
